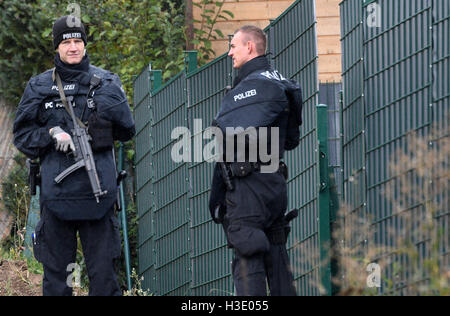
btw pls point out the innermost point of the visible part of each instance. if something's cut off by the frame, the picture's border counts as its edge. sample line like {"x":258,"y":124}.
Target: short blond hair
{"x":256,"y":35}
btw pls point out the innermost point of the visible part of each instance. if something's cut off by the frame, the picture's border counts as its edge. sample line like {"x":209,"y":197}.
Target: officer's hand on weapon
{"x":63,"y":139}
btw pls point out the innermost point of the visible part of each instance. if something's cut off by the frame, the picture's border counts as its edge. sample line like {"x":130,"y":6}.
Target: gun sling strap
{"x":55,"y":76}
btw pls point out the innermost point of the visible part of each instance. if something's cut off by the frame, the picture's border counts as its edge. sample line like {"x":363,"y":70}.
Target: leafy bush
{"x":24,"y":51}
{"x":212,"y":12}
{"x":410,"y":249}
{"x":123,"y":37}
{"x":16,"y":198}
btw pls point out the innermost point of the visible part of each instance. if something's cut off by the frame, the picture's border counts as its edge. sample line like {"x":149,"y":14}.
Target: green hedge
{"x":123,"y":37}
{"x":24,"y":51}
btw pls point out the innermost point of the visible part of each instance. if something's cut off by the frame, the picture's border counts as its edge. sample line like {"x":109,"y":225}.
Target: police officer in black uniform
{"x":42,"y":129}
{"x":249,"y":202}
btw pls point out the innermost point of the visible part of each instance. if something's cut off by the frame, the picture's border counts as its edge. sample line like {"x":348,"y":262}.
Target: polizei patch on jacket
{"x":66,"y":87}
{"x":273,"y":75}
{"x":51,"y":105}
{"x":245,"y":95}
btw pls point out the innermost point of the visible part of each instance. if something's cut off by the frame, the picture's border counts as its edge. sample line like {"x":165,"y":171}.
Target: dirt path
{"x":16,"y":280}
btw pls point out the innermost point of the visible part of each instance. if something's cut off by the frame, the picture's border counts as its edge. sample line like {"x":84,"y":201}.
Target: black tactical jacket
{"x":40,"y":110}
{"x":260,"y":97}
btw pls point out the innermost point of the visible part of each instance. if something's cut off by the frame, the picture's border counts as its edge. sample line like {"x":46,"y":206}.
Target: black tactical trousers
{"x":254,"y":207}
{"x":250,"y":273}
{"x":55,"y":247}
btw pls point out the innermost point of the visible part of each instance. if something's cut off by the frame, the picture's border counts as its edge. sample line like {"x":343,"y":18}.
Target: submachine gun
{"x":83,"y":152}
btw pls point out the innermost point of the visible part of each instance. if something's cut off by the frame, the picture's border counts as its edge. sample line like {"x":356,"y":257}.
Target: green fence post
{"x":190,"y":65}
{"x":324,"y":199}
{"x":155,"y":79}
{"x":123,"y":217}
{"x":32,"y":220}
{"x":191,"y":61}
{"x":155,"y":83}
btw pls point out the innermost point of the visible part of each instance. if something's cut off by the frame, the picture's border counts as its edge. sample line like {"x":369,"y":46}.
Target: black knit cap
{"x":68,"y":27}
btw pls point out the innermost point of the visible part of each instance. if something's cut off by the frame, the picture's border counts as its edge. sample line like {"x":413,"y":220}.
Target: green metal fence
{"x":441,"y":110}
{"x":292,"y":42}
{"x":181,"y":251}
{"x":210,"y":258}
{"x":395,"y":81}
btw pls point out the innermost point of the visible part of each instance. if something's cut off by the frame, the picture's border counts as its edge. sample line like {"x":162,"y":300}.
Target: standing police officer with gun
{"x":248,"y":202}
{"x":69,"y":117}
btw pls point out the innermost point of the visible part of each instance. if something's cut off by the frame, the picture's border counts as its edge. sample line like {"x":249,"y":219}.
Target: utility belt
{"x":34,"y":178}
{"x":243,"y":169}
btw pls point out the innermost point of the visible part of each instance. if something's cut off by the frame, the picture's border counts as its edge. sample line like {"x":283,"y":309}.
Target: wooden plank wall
{"x":328,"y":40}
{"x":260,"y":12}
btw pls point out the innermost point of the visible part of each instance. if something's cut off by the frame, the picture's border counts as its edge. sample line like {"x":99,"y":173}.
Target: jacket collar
{"x":258,"y":63}
{"x":78,"y":72}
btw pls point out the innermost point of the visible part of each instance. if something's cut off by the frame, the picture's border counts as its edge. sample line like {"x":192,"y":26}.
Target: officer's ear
{"x":250,"y":47}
